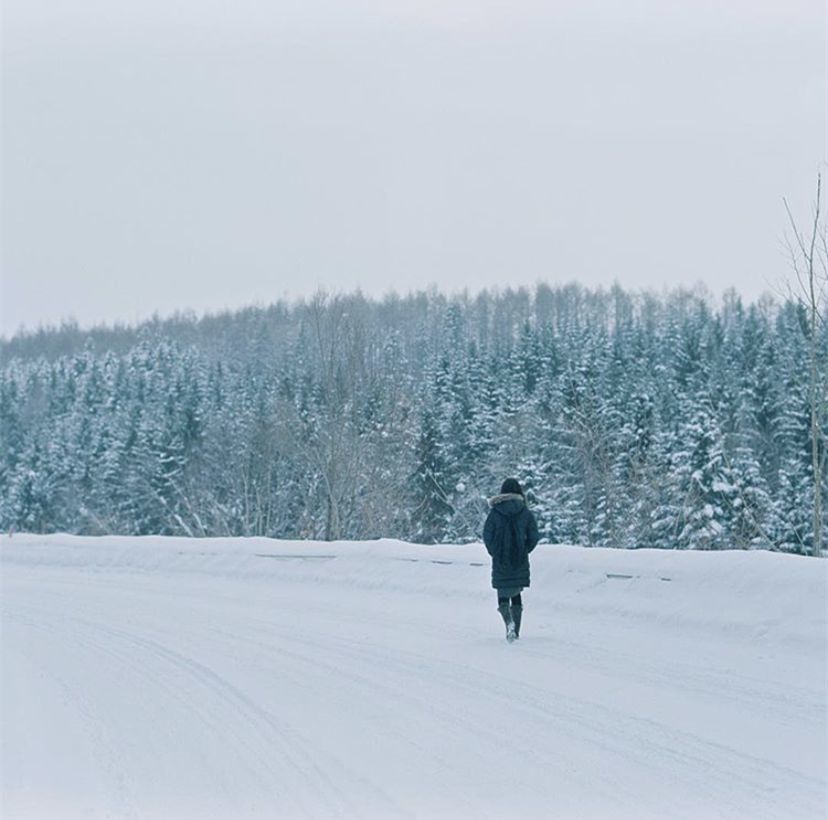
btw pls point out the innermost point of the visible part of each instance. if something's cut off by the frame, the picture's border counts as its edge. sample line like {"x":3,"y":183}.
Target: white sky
{"x":174,"y":154}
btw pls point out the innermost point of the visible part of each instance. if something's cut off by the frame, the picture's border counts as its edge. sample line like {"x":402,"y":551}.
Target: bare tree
{"x":809,"y":259}
{"x":326,"y":436}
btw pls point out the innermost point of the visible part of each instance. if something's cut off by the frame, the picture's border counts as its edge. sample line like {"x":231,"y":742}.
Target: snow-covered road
{"x":166,"y":678}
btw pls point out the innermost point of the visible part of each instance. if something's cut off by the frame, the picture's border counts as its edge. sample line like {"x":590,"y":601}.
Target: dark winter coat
{"x":510,"y":534}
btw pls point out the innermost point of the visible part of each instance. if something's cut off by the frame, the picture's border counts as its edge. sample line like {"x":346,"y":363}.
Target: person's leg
{"x":517,"y":612}
{"x":505,"y":611}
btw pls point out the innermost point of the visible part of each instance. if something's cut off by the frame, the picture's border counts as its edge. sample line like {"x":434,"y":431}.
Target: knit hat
{"x":511,"y":485}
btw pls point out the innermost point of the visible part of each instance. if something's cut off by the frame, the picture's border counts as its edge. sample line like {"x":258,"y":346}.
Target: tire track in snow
{"x":104,"y":747}
{"x":255,"y":756}
{"x":719,"y":763}
{"x":390,"y":693}
{"x":486,"y":740}
{"x":653,"y":743}
{"x":301,"y":756}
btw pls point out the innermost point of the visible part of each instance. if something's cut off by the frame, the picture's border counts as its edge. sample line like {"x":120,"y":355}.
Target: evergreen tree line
{"x":632,"y":419}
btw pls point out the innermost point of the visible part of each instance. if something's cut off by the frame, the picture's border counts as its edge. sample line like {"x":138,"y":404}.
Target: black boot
{"x":517,"y":614}
{"x":506,"y":613}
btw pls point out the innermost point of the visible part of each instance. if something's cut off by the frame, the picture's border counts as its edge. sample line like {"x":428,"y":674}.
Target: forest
{"x":633,"y":419}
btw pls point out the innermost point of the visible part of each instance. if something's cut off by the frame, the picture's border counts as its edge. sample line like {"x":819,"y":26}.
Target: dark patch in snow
{"x":440,"y":561}
{"x":618,"y":575}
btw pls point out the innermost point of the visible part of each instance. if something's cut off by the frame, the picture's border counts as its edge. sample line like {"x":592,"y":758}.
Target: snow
{"x":251,"y":678}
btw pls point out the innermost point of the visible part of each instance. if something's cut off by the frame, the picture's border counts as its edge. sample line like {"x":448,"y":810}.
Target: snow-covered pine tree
{"x":430,"y":509}
{"x":705,"y":482}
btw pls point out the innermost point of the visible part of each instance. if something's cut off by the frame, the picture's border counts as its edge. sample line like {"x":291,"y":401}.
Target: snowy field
{"x":170,"y":678}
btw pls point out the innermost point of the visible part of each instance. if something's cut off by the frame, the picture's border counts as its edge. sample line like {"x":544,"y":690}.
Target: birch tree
{"x":809,"y":260}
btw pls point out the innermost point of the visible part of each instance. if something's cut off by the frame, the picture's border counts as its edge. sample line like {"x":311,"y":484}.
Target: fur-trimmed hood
{"x":499,"y":499}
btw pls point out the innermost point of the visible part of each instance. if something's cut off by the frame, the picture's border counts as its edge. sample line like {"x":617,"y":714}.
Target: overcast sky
{"x":174,"y":154}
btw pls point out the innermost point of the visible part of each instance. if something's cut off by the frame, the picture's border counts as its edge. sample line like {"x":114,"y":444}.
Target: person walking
{"x":510,"y":534}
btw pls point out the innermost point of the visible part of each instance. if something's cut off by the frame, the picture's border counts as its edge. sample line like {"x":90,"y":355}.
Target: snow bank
{"x":747,"y":593}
